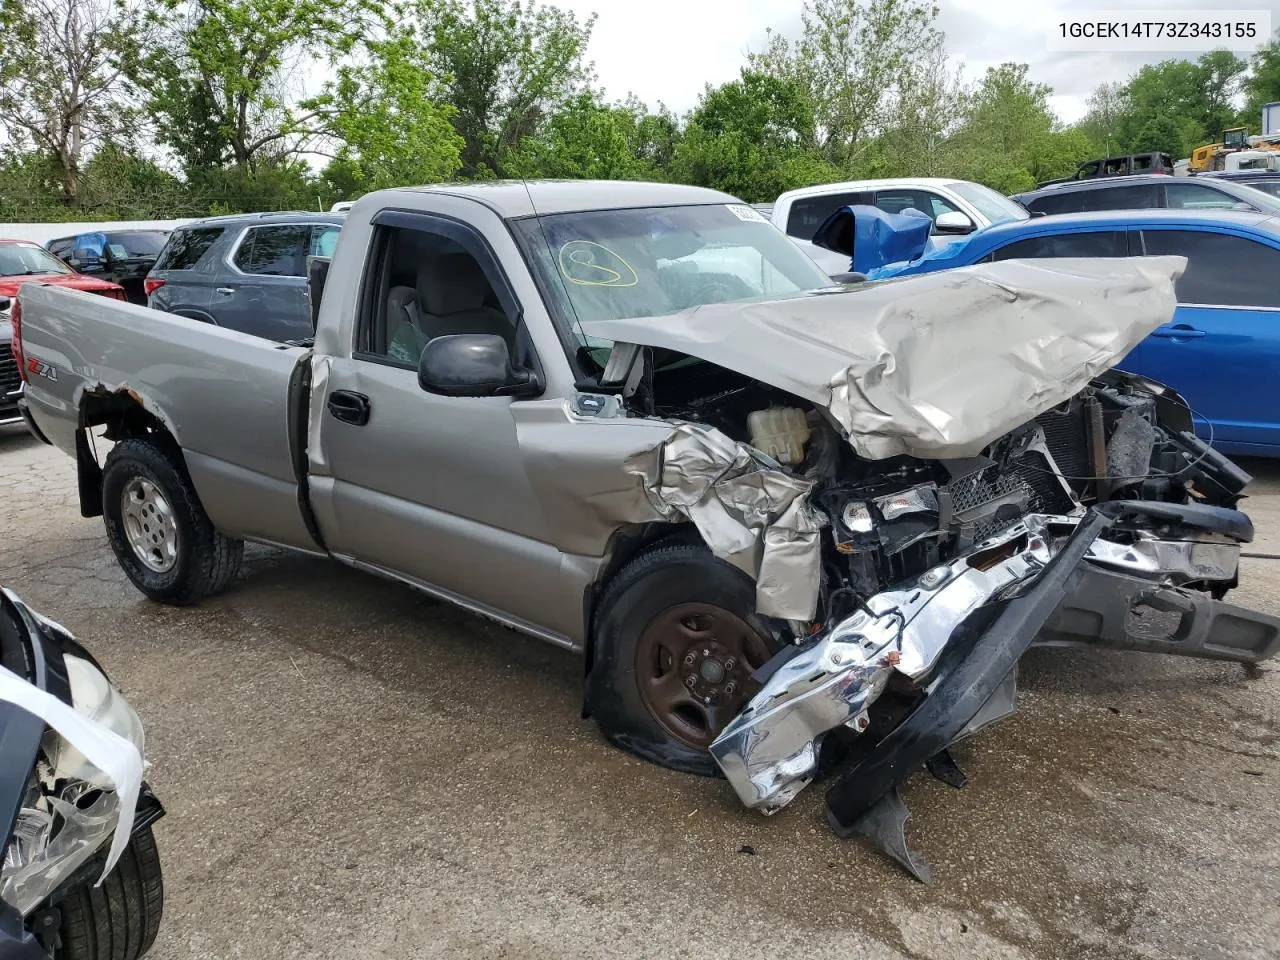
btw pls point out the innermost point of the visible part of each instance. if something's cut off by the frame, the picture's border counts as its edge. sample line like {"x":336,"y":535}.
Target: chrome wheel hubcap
{"x":149,"y":525}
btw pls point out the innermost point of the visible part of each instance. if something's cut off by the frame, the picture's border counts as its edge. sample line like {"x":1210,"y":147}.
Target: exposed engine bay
{"x":1086,"y":525}
{"x":890,"y":520}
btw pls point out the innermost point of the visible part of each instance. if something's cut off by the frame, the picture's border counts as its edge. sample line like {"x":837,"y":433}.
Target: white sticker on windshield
{"x":743,"y":212}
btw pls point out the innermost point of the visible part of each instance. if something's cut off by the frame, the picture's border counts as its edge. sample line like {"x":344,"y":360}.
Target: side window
{"x":276,"y":251}
{"x":426,"y":285}
{"x":1196,"y":196}
{"x":324,"y":238}
{"x":1221,"y":269}
{"x":807,"y":214}
{"x":895,"y":201}
{"x":1104,"y":243}
{"x":186,"y":248}
{"x":1139,"y":197}
{"x":61,"y":248}
{"x":1066,"y":201}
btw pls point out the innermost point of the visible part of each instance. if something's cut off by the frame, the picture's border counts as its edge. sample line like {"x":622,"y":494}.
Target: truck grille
{"x":9,"y":379}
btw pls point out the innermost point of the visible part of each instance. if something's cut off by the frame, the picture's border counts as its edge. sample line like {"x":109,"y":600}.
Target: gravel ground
{"x":352,"y":770}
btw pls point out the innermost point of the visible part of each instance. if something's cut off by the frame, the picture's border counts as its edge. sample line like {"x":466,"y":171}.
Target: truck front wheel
{"x":676,"y":641}
{"x":158,"y":529}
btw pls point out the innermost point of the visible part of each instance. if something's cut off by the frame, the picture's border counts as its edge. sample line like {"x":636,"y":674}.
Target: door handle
{"x":1181,"y":332}
{"x":225,"y":291}
{"x":350,"y":407}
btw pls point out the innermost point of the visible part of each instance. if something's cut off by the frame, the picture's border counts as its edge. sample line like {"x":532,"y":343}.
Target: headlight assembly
{"x":96,"y":699}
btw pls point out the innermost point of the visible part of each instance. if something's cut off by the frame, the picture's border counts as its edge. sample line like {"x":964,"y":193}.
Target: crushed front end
{"x":1104,"y":521}
{"x":72,"y":799}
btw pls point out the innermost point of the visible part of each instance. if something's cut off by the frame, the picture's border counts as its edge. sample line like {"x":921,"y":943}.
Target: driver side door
{"x":427,"y":488}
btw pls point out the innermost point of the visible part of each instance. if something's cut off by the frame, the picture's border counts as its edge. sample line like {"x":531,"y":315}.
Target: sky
{"x":668,"y":50}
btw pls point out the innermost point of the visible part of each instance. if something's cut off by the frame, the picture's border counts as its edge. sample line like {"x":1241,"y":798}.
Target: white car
{"x":957,"y":208}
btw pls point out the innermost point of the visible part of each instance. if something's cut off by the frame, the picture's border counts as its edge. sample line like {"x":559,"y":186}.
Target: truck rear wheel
{"x":162,"y":538}
{"x":676,"y":640}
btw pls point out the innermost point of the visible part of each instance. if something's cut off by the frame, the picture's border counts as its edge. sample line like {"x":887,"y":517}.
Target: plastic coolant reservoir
{"x":779,"y":432}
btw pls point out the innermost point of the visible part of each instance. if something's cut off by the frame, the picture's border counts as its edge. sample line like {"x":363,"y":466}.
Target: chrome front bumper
{"x":769,"y":752}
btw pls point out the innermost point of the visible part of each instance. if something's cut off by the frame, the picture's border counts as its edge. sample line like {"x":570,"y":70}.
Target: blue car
{"x":1222,"y":349}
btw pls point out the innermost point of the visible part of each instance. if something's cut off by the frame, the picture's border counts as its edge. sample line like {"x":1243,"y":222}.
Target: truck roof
{"x":511,"y":199}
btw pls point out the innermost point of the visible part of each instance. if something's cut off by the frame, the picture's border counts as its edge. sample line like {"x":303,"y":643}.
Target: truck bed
{"x":224,"y":395}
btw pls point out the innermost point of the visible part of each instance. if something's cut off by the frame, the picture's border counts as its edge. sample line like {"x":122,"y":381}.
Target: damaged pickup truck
{"x":781,"y":519}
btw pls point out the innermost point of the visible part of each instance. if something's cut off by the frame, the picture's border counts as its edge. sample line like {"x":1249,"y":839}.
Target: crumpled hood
{"x":933,"y":366}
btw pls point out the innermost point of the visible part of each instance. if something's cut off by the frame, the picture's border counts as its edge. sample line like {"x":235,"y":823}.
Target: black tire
{"x":206,"y":561}
{"x":118,"y":920}
{"x":666,"y":576}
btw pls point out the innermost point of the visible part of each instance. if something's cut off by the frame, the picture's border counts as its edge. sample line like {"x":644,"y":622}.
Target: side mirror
{"x":953,"y":222}
{"x":473,"y":365}
{"x":74,"y":263}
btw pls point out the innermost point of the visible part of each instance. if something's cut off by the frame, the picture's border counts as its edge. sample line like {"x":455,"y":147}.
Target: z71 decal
{"x":40,"y":368}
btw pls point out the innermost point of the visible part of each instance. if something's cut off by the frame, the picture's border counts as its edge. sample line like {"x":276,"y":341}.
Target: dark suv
{"x":121,"y":256}
{"x":1147,"y":192}
{"x":246,"y":272}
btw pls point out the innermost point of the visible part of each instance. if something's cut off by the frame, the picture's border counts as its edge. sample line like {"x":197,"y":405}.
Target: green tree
{"x":1191,"y":98}
{"x":853,"y":60}
{"x":1007,"y":130}
{"x":752,"y":137}
{"x":1108,"y":109}
{"x":383,"y":114}
{"x":505,"y":67}
{"x":590,"y":139}
{"x":1262,"y":85}
{"x":61,"y":90}
{"x":218,"y":73}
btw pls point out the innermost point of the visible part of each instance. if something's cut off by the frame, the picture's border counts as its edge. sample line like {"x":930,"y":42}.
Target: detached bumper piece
{"x":1127,"y":575}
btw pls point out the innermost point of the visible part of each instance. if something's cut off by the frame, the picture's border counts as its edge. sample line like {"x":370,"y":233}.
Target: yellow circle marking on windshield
{"x":580,"y":264}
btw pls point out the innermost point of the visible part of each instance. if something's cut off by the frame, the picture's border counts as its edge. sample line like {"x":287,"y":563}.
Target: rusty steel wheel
{"x":693,"y":669}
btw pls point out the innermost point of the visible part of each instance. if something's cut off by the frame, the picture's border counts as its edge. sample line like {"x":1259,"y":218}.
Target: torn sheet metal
{"x":750,"y":512}
{"x":938,"y":365}
{"x":119,"y":760}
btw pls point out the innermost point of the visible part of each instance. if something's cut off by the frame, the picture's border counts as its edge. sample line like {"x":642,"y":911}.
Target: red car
{"x":23,"y":262}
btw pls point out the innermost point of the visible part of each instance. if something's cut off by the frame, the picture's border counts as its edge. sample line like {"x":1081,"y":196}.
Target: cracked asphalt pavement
{"x":352,"y":770}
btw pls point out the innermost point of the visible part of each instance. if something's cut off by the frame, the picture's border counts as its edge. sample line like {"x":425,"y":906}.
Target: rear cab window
{"x":187,"y":247}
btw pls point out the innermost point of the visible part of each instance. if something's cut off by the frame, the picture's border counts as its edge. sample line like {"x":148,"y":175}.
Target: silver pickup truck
{"x":781,"y":519}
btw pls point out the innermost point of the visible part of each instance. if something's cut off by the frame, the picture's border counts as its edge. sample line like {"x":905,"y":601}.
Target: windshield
{"x":652,"y":261}
{"x":142,"y":244}
{"x":26,"y":259}
{"x":993,"y":206}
